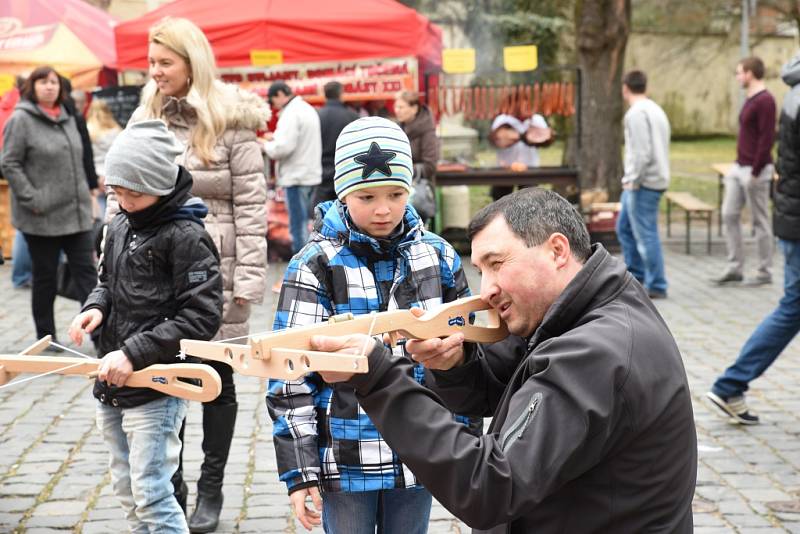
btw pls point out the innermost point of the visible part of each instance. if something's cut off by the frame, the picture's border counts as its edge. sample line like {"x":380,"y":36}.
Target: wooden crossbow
{"x":160,"y":377}
{"x":284,"y":355}
{"x":288,"y":354}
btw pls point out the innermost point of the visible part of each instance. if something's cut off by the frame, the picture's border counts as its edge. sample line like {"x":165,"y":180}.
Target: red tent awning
{"x":303,"y":30}
{"x":71,"y":35}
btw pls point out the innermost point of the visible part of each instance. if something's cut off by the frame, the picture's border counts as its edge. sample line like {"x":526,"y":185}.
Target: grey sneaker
{"x":757,"y":281}
{"x":734,"y":408}
{"x":727,"y":278}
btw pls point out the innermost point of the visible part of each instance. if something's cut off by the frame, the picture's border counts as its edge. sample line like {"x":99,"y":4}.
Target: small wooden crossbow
{"x":284,"y":355}
{"x":160,"y":377}
{"x":288,"y":354}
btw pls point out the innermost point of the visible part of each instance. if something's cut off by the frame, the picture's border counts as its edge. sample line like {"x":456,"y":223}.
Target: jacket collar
{"x":178,"y":111}
{"x":600,"y":280}
{"x":333,"y":222}
{"x":33,"y":109}
{"x":422,"y":121}
{"x":177,"y":205}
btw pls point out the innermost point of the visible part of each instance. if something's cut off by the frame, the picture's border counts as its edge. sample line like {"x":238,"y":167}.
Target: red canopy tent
{"x":70,"y":35}
{"x":303,"y":30}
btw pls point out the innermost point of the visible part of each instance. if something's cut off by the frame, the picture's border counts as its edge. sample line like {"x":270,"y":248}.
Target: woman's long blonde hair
{"x":188,"y":41}
{"x":100,"y":120}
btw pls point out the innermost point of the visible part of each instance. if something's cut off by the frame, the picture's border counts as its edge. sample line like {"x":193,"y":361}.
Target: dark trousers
{"x":219,"y":417}
{"x":228,"y":393}
{"x":45,"y":253}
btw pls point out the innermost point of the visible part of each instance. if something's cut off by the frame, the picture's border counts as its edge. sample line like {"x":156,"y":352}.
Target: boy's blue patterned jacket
{"x":321,"y":434}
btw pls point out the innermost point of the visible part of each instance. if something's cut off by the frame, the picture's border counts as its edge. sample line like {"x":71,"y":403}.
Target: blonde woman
{"x":217,"y":124}
{"x":103,"y":129}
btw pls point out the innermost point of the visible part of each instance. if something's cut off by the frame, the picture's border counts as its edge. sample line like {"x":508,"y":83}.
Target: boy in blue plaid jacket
{"x":368,"y":253}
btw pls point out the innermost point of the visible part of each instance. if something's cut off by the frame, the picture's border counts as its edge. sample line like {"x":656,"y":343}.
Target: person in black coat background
{"x":333,"y":117}
{"x":781,"y":326}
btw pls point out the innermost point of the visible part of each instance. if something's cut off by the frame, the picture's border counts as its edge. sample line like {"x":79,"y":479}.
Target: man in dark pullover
{"x":593,"y":428}
{"x":750,"y":179}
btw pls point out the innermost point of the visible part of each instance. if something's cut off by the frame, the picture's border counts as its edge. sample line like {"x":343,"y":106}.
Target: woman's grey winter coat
{"x":43,"y":163}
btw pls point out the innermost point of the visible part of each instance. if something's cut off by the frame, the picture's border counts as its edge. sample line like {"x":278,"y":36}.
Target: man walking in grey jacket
{"x":592,"y":427}
{"x":646,"y":178}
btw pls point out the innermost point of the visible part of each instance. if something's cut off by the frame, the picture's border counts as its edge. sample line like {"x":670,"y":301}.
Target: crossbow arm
{"x":160,"y":377}
{"x":165,"y":378}
{"x":33,"y":349}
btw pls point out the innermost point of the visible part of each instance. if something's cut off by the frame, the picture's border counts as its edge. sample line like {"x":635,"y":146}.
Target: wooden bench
{"x":692,"y":206}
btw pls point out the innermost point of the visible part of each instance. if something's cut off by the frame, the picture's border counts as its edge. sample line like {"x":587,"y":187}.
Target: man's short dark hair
{"x":755,"y":65}
{"x":534,"y":215}
{"x":636,"y":82}
{"x":333,"y":90}
{"x":28,"y":90}
{"x":279,"y":86}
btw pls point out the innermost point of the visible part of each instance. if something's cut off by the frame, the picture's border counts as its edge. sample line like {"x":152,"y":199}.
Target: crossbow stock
{"x":288,"y":354}
{"x":160,"y":377}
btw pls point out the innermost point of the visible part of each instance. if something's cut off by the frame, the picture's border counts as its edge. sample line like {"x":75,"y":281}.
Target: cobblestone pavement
{"x":53,"y":474}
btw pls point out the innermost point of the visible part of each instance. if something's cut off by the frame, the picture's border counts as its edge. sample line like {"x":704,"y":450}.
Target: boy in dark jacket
{"x":159,"y":282}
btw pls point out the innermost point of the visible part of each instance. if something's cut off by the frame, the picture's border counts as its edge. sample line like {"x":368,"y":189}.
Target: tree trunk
{"x":601,"y":29}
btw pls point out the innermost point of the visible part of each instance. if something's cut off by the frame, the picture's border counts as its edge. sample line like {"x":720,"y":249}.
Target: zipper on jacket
{"x":518,"y":428}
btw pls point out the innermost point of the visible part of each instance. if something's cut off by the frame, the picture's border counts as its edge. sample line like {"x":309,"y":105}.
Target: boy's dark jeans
{"x":45,"y":252}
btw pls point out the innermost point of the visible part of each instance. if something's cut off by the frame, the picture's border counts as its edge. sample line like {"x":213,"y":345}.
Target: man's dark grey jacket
{"x":593,"y":428}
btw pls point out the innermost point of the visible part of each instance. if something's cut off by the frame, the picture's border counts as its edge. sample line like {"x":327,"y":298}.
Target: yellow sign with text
{"x":6,"y":83}
{"x":458,"y":60}
{"x":520,"y":58}
{"x":266,"y":58}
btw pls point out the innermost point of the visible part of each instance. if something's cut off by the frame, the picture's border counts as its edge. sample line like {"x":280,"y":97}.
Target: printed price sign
{"x":458,"y":60}
{"x":265,"y":58}
{"x":520,"y":58}
{"x":6,"y":82}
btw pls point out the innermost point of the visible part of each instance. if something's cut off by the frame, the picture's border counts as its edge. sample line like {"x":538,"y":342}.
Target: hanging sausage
{"x":525,"y":108}
{"x":547,"y":99}
{"x":433,"y":102}
{"x":570,"y":103}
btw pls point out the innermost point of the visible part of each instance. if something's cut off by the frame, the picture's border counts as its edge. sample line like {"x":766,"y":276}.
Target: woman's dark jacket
{"x":421,"y":134}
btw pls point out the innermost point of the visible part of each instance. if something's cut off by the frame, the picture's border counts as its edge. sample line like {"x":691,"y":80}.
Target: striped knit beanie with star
{"x":371,"y":152}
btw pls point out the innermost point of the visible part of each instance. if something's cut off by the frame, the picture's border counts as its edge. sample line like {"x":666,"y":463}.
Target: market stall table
{"x":563,"y":180}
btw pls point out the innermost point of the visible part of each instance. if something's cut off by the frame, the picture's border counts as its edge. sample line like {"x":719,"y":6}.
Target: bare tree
{"x":789,"y":10}
{"x":601,"y":29}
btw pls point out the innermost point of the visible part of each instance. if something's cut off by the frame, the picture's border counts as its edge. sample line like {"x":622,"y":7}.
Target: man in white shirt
{"x":296,"y":145}
{"x":647,"y":134}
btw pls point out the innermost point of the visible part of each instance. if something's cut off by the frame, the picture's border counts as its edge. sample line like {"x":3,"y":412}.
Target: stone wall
{"x":692,"y":77}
